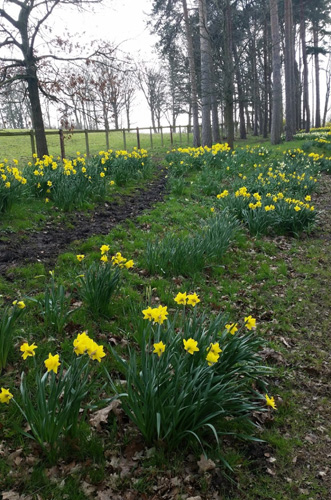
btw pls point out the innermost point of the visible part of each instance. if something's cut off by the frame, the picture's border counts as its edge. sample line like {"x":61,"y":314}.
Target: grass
{"x":282,"y":282}
{"x":19,"y":146}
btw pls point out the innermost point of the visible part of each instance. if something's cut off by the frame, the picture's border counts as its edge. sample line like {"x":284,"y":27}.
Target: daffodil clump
{"x":275,"y":199}
{"x":99,"y":280}
{"x":181,"y":160}
{"x":12,"y":181}
{"x":193,"y":372}
{"x":122,"y":166}
{"x":320,"y":133}
{"x":52,"y":403}
{"x":72,"y":183}
{"x":8,"y":318}
{"x":269,"y":213}
{"x":68,"y":183}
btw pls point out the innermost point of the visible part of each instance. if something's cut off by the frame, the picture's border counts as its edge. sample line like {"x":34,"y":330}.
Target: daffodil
{"x":159,"y":348}
{"x":250,"y":322}
{"x":80,"y":257}
{"x":81,"y":343}
{"x":190,"y":345}
{"x":96,"y":351}
{"x":5,"y":395}
{"x":181,"y":298}
{"x":148,"y":313}
{"x":28,"y":350}
{"x":52,"y":363}
{"x":271,"y":402}
{"x":212,"y":358}
{"x":232,"y":328}
{"x":193,"y":299}
{"x":215,"y":349}
{"x":20,"y":304}
{"x":104,"y":249}
{"x":160,"y":314}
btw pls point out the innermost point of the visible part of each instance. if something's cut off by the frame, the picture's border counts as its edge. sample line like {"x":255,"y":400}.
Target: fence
{"x":140,"y":137}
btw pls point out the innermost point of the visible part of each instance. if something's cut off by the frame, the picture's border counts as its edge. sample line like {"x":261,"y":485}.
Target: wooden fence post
{"x":138,"y":138}
{"x":124,"y":139}
{"x":33,"y":147}
{"x":86,"y":143}
{"x":162,"y":143}
{"x":151,"y":136}
{"x":63,"y":154}
{"x":107,"y":139}
{"x":180,"y":134}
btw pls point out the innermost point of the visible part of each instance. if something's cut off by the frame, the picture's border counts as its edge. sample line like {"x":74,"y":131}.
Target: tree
{"x":15,"y":107}
{"x":289,"y":70}
{"x":205,"y":75}
{"x":228,"y":74}
{"x":306,"y":109}
{"x":319,"y":16}
{"x":276,"y":122}
{"x":21,"y":24}
{"x":151,"y":83}
{"x":193,"y":77}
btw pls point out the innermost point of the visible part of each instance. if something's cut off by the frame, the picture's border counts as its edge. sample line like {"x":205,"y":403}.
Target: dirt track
{"x":46,"y":244}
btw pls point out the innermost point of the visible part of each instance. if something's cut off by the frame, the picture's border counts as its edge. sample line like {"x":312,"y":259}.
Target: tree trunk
{"x":241,"y":96}
{"x":228,"y":76}
{"x":265,"y":75}
{"x":306,"y":110}
{"x":289,"y":71}
{"x":206,"y":138}
{"x":37,"y":117}
{"x":276,"y":123}
{"x":317,"y":77}
{"x":255,"y":91}
{"x":327,"y":95}
{"x":193,"y":78}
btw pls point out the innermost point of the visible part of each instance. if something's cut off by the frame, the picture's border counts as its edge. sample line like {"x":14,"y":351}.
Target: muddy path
{"x":46,"y":244}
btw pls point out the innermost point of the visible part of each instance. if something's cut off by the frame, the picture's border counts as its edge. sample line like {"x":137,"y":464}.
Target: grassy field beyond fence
{"x":16,"y":145}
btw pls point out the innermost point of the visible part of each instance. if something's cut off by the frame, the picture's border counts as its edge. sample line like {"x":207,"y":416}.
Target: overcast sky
{"x":122,"y":22}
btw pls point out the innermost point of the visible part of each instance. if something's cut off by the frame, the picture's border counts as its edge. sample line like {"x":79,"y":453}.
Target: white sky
{"x":122,"y":22}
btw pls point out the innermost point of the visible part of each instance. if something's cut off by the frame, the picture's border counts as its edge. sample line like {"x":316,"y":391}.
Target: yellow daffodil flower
{"x":159,"y":348}
{"x":190,"y":345}
{"x":52,"y":363}
{"x":28,"y":350}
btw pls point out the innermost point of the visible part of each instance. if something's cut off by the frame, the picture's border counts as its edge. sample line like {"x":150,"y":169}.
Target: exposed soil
{"x":46,"y":244}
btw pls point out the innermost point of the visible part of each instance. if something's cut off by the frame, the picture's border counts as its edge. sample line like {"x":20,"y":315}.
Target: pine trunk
{"x":306,"y":110}
{"x":206,"y":138}
{"x":241,"y":96}
{"x":317,"y":77}
{"x":193,"y":78}
{"x":289,"y":71}
{"x":276,"y":123}
{"x":228,"y":76}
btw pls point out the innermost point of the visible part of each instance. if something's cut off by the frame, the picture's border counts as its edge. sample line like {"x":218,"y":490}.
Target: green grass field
{"x":19,"y":146}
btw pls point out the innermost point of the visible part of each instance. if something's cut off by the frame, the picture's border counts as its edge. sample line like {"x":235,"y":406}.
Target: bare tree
{"x":21,"y":25}
{"x":151,"y":83}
